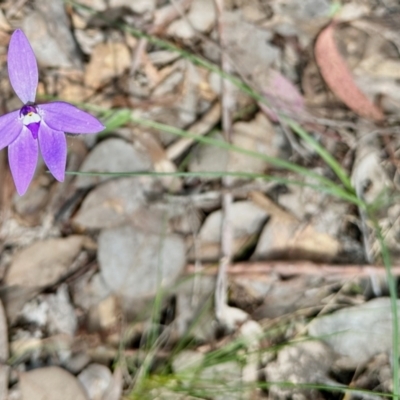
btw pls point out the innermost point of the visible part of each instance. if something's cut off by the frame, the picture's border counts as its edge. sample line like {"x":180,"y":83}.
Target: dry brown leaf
{"x":339,"y":78}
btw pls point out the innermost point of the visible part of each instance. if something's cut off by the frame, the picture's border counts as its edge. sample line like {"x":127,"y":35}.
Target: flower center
{"x":30,"y":118}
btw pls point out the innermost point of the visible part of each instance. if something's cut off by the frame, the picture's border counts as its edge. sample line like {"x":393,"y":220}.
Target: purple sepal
{"x":22,"y":67}
{"x":65,"y":117}
{"x":22,"y":156}
{"x":53,"y":146}
{"x":10,"y":128}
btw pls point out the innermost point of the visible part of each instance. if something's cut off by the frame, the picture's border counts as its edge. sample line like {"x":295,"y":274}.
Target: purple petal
{"x":10,"y":127}
{"x":22,"y":156}
{"x":22,"y":67}
{"x":65,"y":117}
{"x":53,"y":146}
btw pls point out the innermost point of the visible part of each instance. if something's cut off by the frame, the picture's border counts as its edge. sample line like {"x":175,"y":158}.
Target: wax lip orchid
{"x":37,"y":126}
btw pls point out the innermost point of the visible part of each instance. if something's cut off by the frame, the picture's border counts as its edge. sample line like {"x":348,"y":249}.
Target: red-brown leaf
{"x":338,"y":77}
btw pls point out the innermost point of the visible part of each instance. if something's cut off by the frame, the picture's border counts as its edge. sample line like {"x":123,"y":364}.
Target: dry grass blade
{"x":338,"y":76}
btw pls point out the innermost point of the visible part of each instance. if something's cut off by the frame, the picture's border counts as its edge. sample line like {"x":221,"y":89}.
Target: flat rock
{"x":134,"y":263}
{"x":50,"y":36}
{"x":285,"y":297}
{"x":50,"y":383}
{"x":285,"y":236}
{"x":257,"y":136}
{"x":359,"y":332}
{"x":207,"y":158}
{"x":201,"y":17}
{"x":96,"y":379}
{"x":247,"y":221}
{"x":290,"y":239}
{"x":313,"y":360}
{"x":111,"y":204}
{"x":43,"y":263}
{"x":112,"y":155}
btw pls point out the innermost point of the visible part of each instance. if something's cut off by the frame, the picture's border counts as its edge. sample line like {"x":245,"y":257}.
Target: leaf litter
{"x":109,"y":281}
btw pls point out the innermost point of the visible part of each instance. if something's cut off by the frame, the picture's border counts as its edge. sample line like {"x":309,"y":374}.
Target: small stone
{"x":95,"y":378}
{"x":209,"y":158}
{"x":51,"y":41}
{"x":43,"y":263}
{"x":50,"y":383}
{"x":112,"y":155}
{"x":247,"y":222}
{"x":201,"y":17}
{"x":300,"y":363}
{"x":111,"y":204}
{"x":134,"y":263}
{"x":358,"y":332}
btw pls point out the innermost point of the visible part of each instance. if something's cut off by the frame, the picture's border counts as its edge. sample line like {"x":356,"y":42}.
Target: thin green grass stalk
{"x":323,"y":153}
{"x":115,"y":120}
{"x":122,"y":116}
{"x":220,"y":174}
{"x":276,"y":162}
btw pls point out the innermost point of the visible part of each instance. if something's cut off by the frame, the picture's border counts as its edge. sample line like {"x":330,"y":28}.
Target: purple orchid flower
{"x":34,"y":125}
